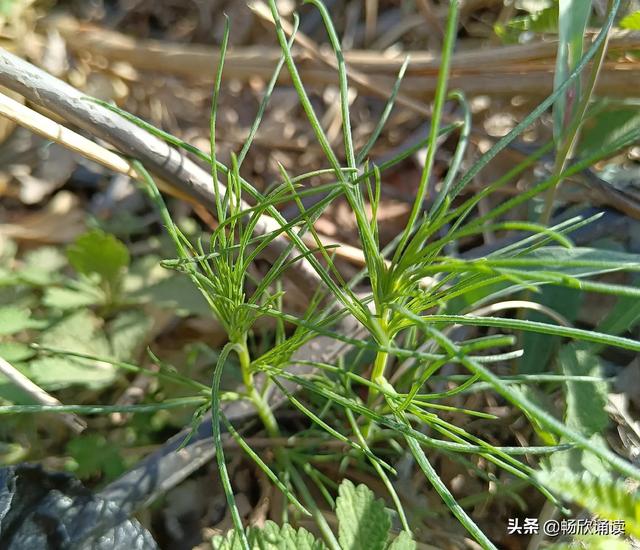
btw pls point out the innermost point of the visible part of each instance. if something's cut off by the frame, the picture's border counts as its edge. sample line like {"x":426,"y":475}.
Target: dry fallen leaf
{"x":61,"y":221}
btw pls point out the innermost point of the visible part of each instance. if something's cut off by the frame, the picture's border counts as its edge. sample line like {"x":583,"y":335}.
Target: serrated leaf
{"x":15,"y":319}
{"x":607,"y":498}
{"x":631,"y":21}
{"x":144,"y":272}
{"x":69,"y":298}
{"x":45,"y":258}
{"x":42,"y":266}
{"x":80,"y":332}
{"x":15,"y":351}
{"x":363,"y":522}
{"x":585,"y":410}
{"x":147,"y":281}
{"x":93,"y":455}
{"x":100,"y":253}
{"x":127,"y":333}
{"x":270,"y":537}
{"x":402,"y":542}
{"x":176,"y":293}
{"x":585,"y":401}
{"x":230,"y":541}
{"x":36,"y":277}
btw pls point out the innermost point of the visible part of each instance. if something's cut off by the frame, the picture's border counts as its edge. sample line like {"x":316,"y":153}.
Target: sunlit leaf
{"x":631,"y":21}
{"x":127,"y":333}
{"x":402,"y":542}
{"x":99,"y":253}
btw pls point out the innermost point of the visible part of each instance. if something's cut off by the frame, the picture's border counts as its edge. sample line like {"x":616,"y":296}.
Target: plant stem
{"x":318,"y":517}
{"x":379,"y":366}
{"x":436,"y":117}
{"x":570,"y":139}
{"x":220,"y":459}
{"x":271,"y":425}
{"x":380,"y":363}
{"x":377,"y":377}
{"x":381,"y":473}
{"x":262,"y":407}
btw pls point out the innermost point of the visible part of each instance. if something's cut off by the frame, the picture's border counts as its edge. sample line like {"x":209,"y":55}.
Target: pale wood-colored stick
{"x":74,"y":422}
{"x":164,"y":161}
{"x":47,"y":128}
{"x":56,"y":132}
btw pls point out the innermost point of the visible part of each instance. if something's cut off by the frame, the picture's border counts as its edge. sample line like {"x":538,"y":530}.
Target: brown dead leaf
{"x":61,"y":221}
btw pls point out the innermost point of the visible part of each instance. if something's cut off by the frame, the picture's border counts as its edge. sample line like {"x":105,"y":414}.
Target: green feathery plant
{"x":606,"y":497}
{"x":610,"y":500}
{"x":410,"y":298}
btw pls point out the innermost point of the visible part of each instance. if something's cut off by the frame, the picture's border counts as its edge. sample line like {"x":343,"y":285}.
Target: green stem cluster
{"x":397,"y":302}
{"x":282,"y":458}
{"x":257,"y":399}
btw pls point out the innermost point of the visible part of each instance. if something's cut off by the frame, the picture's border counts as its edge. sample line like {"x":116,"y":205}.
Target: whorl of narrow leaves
{"x":607,"y":498}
